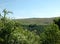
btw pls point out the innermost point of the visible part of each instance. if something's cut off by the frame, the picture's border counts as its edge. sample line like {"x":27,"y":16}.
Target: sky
{"x":31,"y":8}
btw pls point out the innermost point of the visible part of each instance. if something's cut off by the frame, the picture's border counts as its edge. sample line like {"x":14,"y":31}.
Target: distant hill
{"x":38,"y":21}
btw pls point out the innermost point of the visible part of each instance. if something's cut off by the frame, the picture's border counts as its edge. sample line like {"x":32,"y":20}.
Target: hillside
{"x":38,"y":21}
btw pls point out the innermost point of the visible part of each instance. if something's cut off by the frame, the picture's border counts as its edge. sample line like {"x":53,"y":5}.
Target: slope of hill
{"x":38,"y":21}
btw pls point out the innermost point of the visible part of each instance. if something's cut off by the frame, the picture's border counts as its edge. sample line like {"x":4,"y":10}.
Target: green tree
{"x":6,"y":12}
{"x":57,"y":22}
{"x":21,"y":36}
{"x":5,"y":27}
{"x":50,"y":35}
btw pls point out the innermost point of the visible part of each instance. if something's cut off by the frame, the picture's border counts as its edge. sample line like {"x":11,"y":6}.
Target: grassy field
{"x":38,"y":21}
